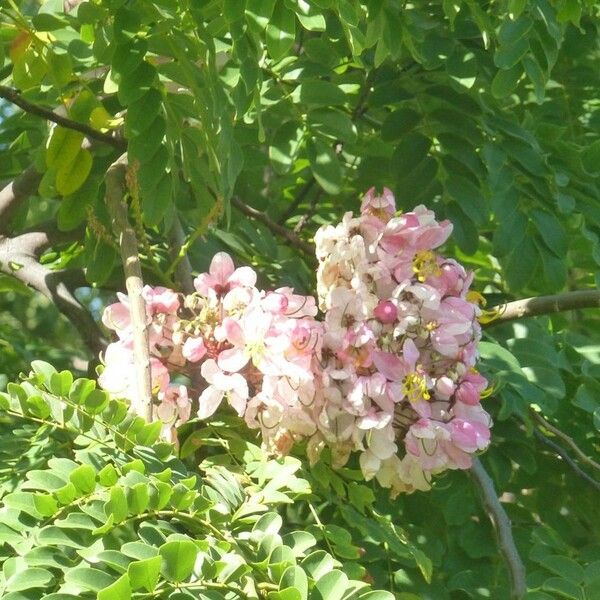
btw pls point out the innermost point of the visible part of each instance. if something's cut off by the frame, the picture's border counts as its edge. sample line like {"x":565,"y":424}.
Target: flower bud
{"x":386,"y":312}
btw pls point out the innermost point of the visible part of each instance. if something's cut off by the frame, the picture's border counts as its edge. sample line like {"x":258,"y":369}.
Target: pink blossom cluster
{"x":255,"y":349}
{"x":389,"y":372}
{"x":399,"y":348}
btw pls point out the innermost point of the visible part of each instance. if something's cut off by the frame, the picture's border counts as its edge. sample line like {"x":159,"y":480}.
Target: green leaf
{"x":505,"y":81}
{"x":119,"y":590}
{"x":563,"y":588}
{"x":295,"y":577}
{"x":590,"y":158}
{"x":331,"y":586}
{"x":399,"y":123}
{"x":325,"y":166}
{"x":44,"y":369}
{"x":64,"y":145}
{"x":71,"y":176}
{"x":32,"y":577}
{"x":281,"y":31}
{"x":88,"y":578}
{"x":333,"y":123}
{"x":84,"y":479}
{"x":117,"y":505}
{"x":144,"y":574}
{"x":317,"y":564}
{"x":137,"y":498}
{"x":508,"y":55}
{"x":60,"y":383}
{"x":178,"y":559}
{"x":137,"y":83}
{"x":319,"y":93}
{"x":564,"y":566}
{"x":409,"y":153}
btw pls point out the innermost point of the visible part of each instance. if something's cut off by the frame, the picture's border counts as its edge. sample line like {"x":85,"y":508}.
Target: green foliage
{"x":486,"y":112}
{"x":120,"y":516}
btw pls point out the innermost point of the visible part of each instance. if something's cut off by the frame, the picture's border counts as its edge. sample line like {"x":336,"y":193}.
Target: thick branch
{"x":115,"y":191}
{"x":280,"y":230}
{"x":565,"y":456}
{"x":16,"y":260}
{"x":543,"y":305}
{"x":14,"y":97}
{"x":503,"y":528}
{"x":11,"y":196}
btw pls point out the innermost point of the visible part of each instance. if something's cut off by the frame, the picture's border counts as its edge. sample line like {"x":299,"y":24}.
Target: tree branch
{"x":565,"y":456}
{"x":14,"y":97}
{"x":17,"y":260}
{"x":18,"y":190}
{"x":297,"y":200}
{"x":566,"y":438}
{"x":115,"y":191}
{"x":503,"y":528}
{"x":541,"y":305}
{"x":280,"y":230}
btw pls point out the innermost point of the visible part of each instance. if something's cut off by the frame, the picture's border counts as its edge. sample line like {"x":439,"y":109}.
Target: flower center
{"x":414,"y":387}
{"x":425,"y":264}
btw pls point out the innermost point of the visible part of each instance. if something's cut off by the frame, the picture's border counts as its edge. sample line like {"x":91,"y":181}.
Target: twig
{"x":280,"y":230}
{"x":14,"y":97}
{"x":183,"y":268}
{"x":503,"y":528}
{"x":565,"y":456}
{"x":310,"y":211}
{"x":566,"y":438}
{"x":541,"y":305}
{"x":115,"y":191}
{"x":297,"y":200}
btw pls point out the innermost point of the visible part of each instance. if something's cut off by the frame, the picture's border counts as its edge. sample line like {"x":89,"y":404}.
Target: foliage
{"x":486,"y":112}
{"x":114,"y":514}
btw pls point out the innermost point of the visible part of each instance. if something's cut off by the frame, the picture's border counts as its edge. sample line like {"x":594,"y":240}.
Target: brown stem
{"x":14,"y":97}
{"x":280,"y":230}
{"x":115,"y":191}
{"x":543,"y":305}
{"x":503,"y":528}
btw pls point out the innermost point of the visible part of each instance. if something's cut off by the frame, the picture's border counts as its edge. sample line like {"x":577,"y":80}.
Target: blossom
{"x":387,"y":372}
{"x":219,"y":385}
{"x":223,"y":276}
{"x":194,"y":349}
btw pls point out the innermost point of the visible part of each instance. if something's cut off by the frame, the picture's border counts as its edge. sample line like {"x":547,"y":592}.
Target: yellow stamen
{"x":425,"y":264}
{"x":414,"y":387}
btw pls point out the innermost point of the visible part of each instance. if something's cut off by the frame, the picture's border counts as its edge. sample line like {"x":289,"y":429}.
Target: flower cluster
{"x":400,"y":347}
{"x":389,"y":372}
{"x":254,"y":348}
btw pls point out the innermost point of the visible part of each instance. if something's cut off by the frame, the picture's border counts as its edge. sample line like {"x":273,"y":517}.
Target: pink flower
{"x":223,"y":276}
{"x":194,"y":349}
{"x":160,"y":300}
{"x":220,"y":385}
{"x":470,"y":388}
{"x":247,"y":337}
{"x":383,"y":207}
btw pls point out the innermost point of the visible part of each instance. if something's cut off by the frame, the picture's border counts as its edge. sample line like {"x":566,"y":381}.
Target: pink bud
{"x":386,"y":312}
